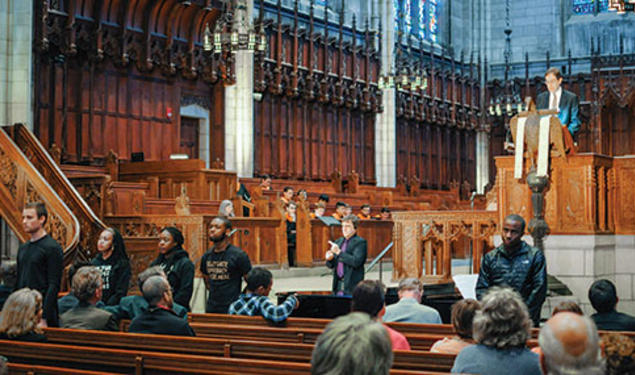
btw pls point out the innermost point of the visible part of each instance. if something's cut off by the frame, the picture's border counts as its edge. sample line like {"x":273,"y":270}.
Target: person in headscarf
{"x":176,"y":264}
{"x":114,"y":265}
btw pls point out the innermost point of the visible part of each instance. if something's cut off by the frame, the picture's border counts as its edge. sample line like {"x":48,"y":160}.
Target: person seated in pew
{"x":603,"y":297}
{"x":501,"y":329}
{"x":287,"y":195}
{"x":619,"y":352}
{"x":255,"y":300}
{"x":302,"y":195}
{"x":226,"y":208}
{"x":69,"y":300}
{"x":159,"y":318}
{"x":409,"y":308}
{"x":352,"y":344}
{"x":369,"y":297}
{"x":319,"y":210}
{"x":348,"y":210}
{"x":87,"y":286}
{"x":8,"y":275}
{"x":340,"y":210}
{"x":364,"y":214}
{"x":21,"y":315}
{"x":114,"y":265}
{"x":384,"y":214}
{"x":176,"y":264}
{"x":223,"y":267}
{"x":570,"y":344}
{"x":463,"y":313}
{"x":265,"y":183}
{"x":324,"y":199}
{"x":564,"y":306}
{"x":132,"y":306}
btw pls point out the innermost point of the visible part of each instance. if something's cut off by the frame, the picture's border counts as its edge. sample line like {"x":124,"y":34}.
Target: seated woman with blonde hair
{"x":21,"y":315}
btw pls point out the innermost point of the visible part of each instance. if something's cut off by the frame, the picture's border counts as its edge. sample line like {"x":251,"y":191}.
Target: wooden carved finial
{"x":56,"y":153}
{"x":182,"y":202}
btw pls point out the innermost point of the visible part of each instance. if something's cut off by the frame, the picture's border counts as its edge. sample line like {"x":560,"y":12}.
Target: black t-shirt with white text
{"x":225,"y":271}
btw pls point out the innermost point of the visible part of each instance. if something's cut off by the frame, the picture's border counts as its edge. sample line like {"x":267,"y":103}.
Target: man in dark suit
{"x":346,"y":257}
{"x":566,"y":102}
{"x":159,"y":318}
{"x":87,"y":288}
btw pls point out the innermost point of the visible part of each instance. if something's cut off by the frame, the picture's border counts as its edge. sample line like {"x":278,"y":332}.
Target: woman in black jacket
{"x":114,"y":265}
{"x":176,"y":264}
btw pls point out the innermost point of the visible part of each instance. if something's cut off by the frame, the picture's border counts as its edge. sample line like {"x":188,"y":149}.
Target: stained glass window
{"x":588,"y":6}
{"x":418,"y":18}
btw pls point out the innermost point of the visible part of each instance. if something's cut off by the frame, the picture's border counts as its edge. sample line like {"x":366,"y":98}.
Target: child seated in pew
{"x":132,"y":306}
{"x":255,"y":299}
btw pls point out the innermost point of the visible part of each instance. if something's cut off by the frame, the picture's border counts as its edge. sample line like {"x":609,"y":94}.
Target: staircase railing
{"x":38,"y":167}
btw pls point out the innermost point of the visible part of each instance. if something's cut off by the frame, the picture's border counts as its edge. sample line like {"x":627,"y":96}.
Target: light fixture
{"x":233,"y":35}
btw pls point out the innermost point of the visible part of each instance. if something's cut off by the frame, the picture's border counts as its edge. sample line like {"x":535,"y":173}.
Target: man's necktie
{"x":340,"y":265}
{"x":554,"y":102}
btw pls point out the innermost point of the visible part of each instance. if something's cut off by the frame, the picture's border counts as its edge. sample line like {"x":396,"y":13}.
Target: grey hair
{"x":223,"y":206}
{"x":149,"y":272}
{"x":503,"y":320}
{"x":410,"y":283}
{"x":559,"y":362}
{"x":353,"y":344}
{"x":154,"y":288}
{"x":85,"y":283}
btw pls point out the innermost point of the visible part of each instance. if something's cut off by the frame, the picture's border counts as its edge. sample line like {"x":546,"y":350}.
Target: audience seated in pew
{"x":176,"y":264}
{"x":319,"y":210}
{"x":352,"y":344}
{"x":564,"y":306}
{"x":255,"y":301}
{"x":340,"y":210}
{"x":287,"y":195}
{"x":114,"y":265}
{"x":226,"y":209}
{"x":159,"y":318}
{"x":368,"y":297}
{"x":603,"y":297}
{"x":619,"y":352}
{"x":21,"y":315}
{"x":132,"y":306}
{"x":324,"y":199}
{"x":87,"y":286}
{"x":384,"y":214}
{"x":570,"y":345}
{"x":364,"y":213}
{"x":69,"y":300}
{"x":348,"y":210}
{"x":291,"y":222}
{"x":501,"y":329}
{"x":409,"y":308}
{"x":462,"y":317}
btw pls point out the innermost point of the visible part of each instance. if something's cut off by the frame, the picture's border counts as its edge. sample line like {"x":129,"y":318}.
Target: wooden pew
{"x":141,"y":362}
{"x":27,"y":369}
{"x":233,"y":348}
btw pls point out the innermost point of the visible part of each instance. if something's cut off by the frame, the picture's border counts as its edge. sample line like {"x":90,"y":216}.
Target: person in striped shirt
{"x":255,"y":299}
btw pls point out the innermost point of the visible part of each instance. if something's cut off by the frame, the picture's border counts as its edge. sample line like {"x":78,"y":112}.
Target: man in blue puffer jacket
{"x":517,"y":265}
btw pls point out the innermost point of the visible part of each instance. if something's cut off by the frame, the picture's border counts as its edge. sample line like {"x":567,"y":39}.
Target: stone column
{"x":239,"y":105}
{"x":16,"y":29}
{"x":385,"y":124}
{"x":482,"y":161}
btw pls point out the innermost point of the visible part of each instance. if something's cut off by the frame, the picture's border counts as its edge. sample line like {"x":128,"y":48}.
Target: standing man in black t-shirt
{"x":223,"y":267}
{"x":40,"y":261}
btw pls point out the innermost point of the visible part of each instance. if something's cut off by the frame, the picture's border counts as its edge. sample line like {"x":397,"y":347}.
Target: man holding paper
{"x":346,"y":257}
{"x":566,"y":102}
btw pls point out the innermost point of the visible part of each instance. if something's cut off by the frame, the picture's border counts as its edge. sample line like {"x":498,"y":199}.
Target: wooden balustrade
{"x":427,"y":241}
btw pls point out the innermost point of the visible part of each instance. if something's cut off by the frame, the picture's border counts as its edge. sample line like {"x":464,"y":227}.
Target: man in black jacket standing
{"x":40,"y":261}
{"x":517,"y":265}
{"x":346,"y":257}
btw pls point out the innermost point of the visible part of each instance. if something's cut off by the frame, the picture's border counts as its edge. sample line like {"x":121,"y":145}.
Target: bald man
{"x":570,"y":345}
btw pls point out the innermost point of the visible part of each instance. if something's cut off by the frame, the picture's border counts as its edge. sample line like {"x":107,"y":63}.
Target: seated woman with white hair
{"x":501,"y":329}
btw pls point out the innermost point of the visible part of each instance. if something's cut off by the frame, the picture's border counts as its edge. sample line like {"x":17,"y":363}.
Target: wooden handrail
{"x":40,"y":159}
{"x":22,"y":182}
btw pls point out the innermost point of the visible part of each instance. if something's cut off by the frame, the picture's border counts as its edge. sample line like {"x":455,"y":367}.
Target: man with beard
{"x":223,"y":267}
{"x":346,"y":257}
{"x":159,"y":319}
{"x":517,"y":265}
{"x":40,"y":261}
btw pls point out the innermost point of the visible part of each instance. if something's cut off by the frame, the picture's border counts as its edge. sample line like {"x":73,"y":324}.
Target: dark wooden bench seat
{"x":235,"y":348}
{"x":27,"y":369}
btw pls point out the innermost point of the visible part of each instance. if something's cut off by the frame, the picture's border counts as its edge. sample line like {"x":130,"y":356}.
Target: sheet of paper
{"x":520,"y":147}
{"x":543,"y":146}
{"x":466,"y":284}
